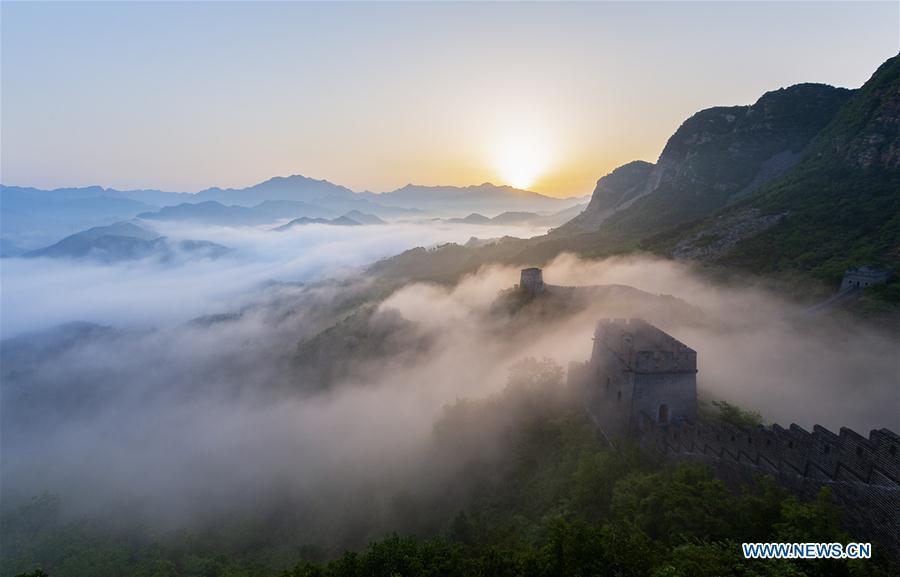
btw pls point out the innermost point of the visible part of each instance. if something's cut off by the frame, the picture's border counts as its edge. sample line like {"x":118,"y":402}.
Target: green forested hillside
{"x":842,"y":203}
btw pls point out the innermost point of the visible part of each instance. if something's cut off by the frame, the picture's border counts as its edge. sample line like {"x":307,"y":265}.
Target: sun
{"x":521,"y":161}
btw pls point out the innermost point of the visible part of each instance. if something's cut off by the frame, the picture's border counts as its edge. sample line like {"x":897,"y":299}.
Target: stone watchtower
{"x":531,"y":281}
{"x":862,"y":277}
{"x":637,"y":374}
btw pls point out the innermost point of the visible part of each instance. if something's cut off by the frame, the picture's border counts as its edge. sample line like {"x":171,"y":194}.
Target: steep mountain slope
{"x":840,"y":206}
{"x":613,"y":192}
{"x":717,"y":156}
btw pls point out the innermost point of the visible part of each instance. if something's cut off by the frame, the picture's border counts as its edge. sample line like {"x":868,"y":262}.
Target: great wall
{"x":641,"y":383}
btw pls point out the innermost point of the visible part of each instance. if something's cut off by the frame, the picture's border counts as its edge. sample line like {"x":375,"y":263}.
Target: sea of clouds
{"x":178,"y":422}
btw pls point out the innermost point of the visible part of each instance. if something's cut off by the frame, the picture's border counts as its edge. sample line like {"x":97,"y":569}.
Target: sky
{"x":183,"y":96}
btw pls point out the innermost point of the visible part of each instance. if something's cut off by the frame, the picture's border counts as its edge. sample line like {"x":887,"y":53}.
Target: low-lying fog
{"x":321,"y":393}
{"x":42,"y":292}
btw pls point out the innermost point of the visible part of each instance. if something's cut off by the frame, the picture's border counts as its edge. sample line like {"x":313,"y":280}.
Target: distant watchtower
{"x":862,"y":277}
{"x":531,"y":281}
{"x":637,"y":374}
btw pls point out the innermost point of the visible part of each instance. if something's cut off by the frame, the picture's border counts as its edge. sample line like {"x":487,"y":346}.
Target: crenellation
{"x":825,"y":449}
{"x":792,"y":450}
{"x":887,"y":453}
{"x":856,"y":454}
{"x":641,"y":382}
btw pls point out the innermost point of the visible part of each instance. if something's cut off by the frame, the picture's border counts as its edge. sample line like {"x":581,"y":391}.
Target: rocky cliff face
{"x":613,"y":191}
{"x":838,"y":207}
{"x":717,"y":156}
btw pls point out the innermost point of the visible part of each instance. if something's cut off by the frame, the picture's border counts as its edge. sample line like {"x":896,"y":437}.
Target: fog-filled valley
{"x":41,"y":292}
{"x":286,"y":376}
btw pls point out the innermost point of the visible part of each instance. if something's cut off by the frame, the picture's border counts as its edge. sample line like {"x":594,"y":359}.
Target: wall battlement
{"x":820,"y":454}
{"x":862,"y":472}
{"x":641,"y":382}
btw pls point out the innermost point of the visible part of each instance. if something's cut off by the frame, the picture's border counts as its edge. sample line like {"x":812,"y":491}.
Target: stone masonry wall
{"x":863,"y":472}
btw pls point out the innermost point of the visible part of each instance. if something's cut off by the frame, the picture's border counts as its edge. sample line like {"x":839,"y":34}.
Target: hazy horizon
{"x":285,"y":176}
{"x":542,"y":97}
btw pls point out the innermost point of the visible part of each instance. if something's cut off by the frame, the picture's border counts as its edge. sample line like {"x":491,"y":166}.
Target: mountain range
{"x":32,"y":218}
{"x":805,"y":180}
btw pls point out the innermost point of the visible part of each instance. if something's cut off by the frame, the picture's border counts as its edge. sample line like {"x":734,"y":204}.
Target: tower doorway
{"x":663,"y":414}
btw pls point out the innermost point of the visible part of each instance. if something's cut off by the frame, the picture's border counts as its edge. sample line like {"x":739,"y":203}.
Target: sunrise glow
{"x":521,"y":160}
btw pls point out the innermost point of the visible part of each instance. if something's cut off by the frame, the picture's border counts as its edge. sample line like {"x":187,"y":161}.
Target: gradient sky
{"x":183,"y":96}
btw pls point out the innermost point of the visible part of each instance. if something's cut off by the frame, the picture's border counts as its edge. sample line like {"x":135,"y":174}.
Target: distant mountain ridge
{"x":302,"y":221}
{"x":125,"y":241}
{"x":521,"y":218}
{"x":33,"y":217}
{"x":213,"y":212}
{"x":485,"y":197}
{"x":363,"y":218}
{"x":299,"y":188}
{"x":295,"y":187}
